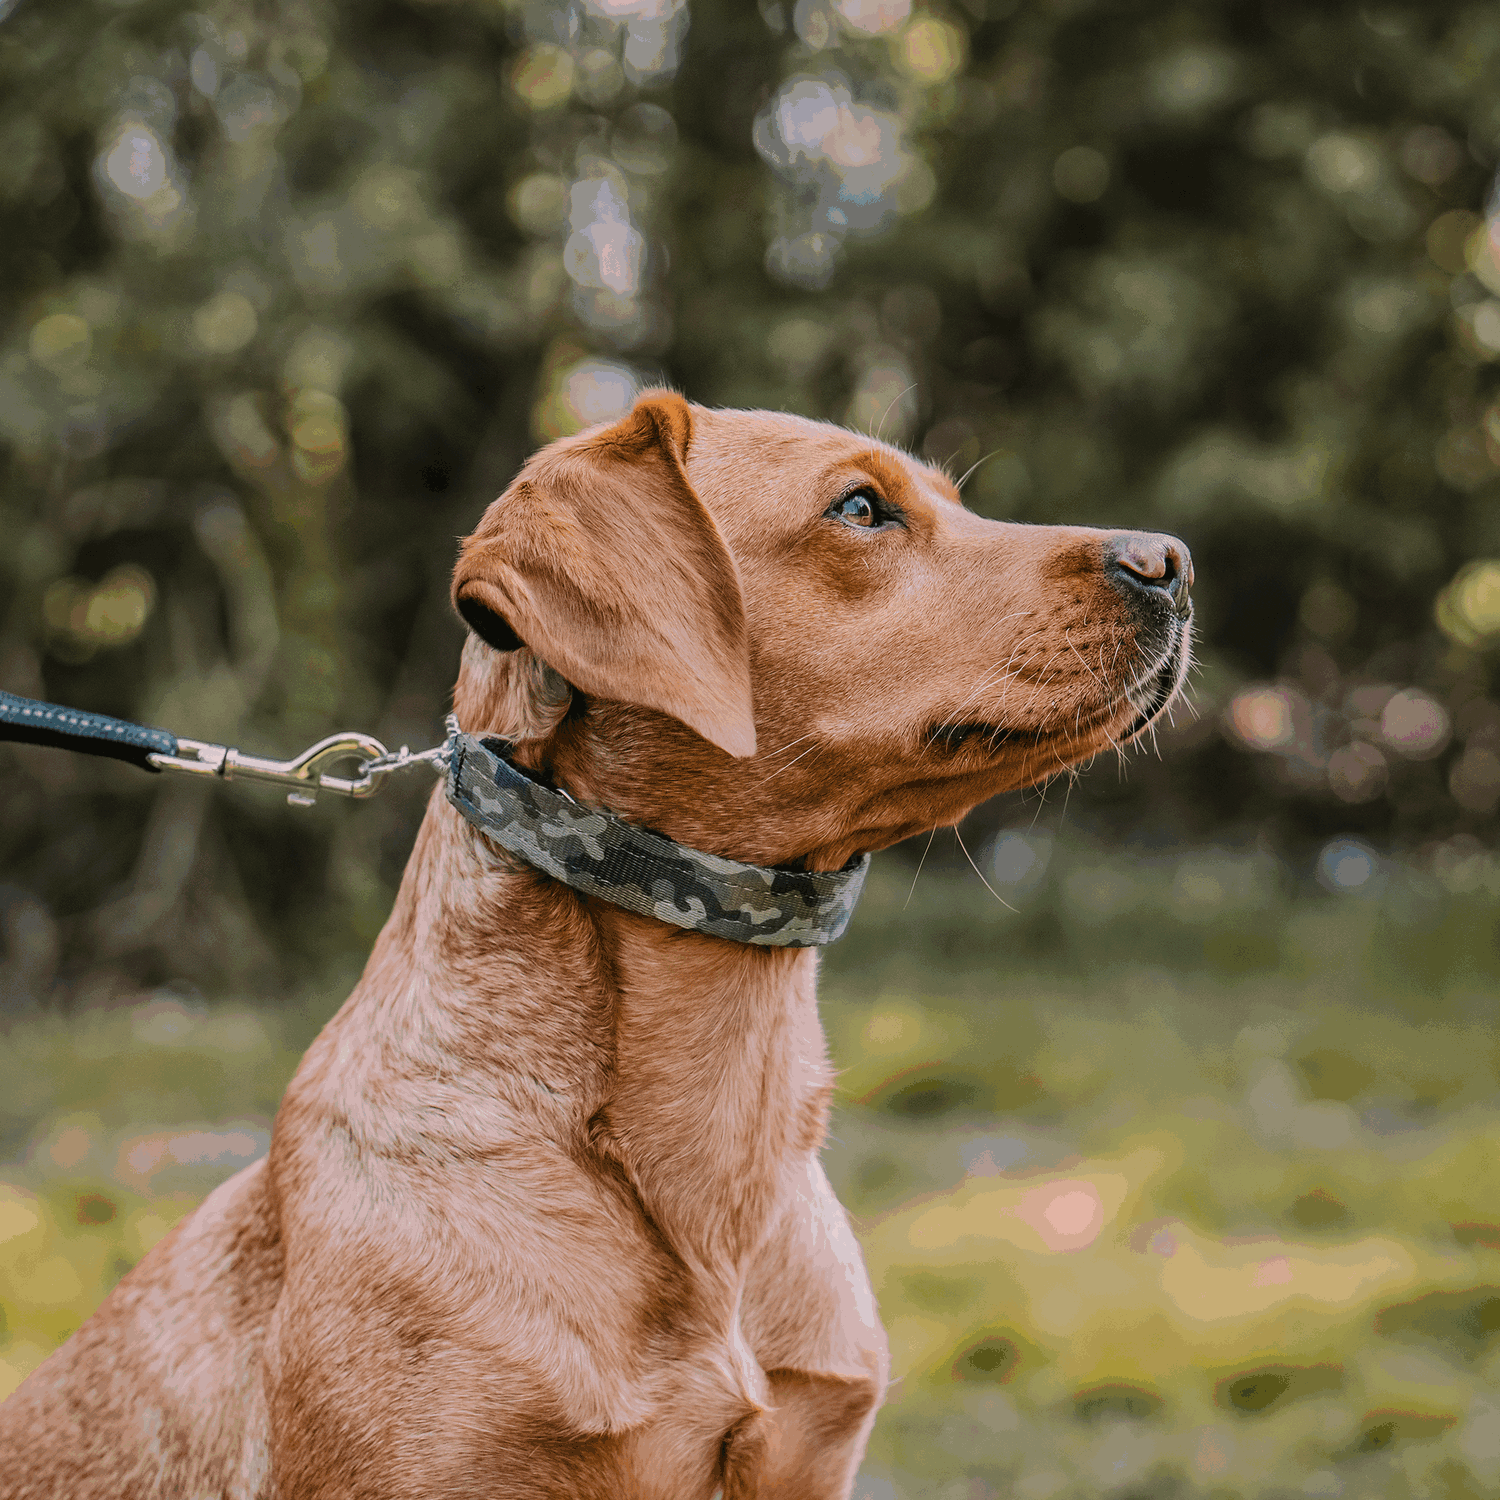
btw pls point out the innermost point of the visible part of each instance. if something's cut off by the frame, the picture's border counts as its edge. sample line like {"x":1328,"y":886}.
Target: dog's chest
{"x":643,"y":1381}
{"x":677,"y":1451}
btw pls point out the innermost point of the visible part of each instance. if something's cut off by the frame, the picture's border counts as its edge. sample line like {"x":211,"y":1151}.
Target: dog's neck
{"x":694,"y":1065}
{"x":720,"y":1081}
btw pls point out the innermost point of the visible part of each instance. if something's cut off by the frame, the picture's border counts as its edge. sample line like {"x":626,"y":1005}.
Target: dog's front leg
{"x":809,"y":1315}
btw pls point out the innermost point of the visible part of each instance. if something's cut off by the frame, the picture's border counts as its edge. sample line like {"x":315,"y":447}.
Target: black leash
{"x":588,"y":848}
{"x":35,"y":723}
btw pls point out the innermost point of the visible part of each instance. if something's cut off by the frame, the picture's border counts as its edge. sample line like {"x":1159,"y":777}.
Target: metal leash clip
{"x":307,"y":772}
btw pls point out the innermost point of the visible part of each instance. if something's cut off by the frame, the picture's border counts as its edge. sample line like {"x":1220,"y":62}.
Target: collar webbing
{"x":595,"y":852}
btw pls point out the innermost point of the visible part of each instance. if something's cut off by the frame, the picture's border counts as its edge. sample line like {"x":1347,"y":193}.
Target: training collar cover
{"x":598,"y":854}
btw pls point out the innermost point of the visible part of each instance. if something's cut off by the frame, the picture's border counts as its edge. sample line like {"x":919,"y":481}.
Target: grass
{"x":1179,"y":1179}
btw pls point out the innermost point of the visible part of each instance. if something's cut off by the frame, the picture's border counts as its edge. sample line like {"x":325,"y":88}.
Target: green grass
{"x":1175,"y":1181}
{"x":1265,"y":1129}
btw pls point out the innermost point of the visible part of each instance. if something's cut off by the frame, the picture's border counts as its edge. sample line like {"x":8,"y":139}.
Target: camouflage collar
{"x":595,"y":852}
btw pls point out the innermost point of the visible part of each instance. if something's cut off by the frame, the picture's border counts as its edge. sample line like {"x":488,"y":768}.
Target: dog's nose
{"x":1147,"y":562}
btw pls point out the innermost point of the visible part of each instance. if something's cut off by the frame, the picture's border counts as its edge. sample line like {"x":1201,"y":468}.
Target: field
{"x":1180,"y":1178}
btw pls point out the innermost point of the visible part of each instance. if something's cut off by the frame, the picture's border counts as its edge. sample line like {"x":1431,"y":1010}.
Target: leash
{"x":31,"y":722}
{"x":587,"y":848}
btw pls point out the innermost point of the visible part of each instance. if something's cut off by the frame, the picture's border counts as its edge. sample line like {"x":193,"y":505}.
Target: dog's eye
{"x":862,"y":508}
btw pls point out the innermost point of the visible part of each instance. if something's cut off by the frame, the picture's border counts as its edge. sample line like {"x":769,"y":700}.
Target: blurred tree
{"x":292,"y":288}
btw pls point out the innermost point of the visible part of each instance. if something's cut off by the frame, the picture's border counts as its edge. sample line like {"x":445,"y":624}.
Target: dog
{"x":543,"y":1213}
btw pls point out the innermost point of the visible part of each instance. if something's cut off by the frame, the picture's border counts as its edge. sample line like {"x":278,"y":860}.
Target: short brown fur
{"x":543,"y":1213}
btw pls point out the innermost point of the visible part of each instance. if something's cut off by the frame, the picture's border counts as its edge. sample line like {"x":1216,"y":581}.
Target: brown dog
{"x":543,"y":1213}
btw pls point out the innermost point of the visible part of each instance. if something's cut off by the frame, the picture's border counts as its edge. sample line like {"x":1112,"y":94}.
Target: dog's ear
{"x":602,"y":560}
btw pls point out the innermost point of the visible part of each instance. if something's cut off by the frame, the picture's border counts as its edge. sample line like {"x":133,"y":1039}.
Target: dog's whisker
{"x":980,"y":873}
{"x":978,"y":462}
{"x":788,"y":766}
{"x":932,"y":835}
{"x":953,"y":718}
{"x":784,"y":748}
{"x":986,"y":681}
{"x":879,"y":437}
{"x":989,"y":677}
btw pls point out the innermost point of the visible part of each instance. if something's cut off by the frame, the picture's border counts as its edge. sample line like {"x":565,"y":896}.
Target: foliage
{"x":291,"y":289}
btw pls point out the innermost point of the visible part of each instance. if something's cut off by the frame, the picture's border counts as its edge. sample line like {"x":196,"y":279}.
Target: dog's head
{"x":777,"y":640}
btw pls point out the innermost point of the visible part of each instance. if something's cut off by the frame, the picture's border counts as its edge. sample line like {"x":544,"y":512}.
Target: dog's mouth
{"x":1150,"y":694}
{"x":977,"y":734}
